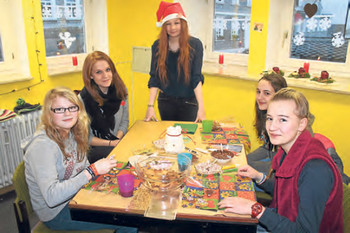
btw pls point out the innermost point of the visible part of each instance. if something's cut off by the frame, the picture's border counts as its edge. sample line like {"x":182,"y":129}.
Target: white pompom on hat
{"x":167,"y":11}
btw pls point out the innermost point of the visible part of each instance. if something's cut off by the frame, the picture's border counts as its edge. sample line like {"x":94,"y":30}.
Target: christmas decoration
{"x":324,"y":78}
{"x":299,"y":39}
{"x":300,"y":74}
{"x":275,"y":69}
{"x":338,"y":40}
{"x":311,"y":24}
{"x":310,"y":9}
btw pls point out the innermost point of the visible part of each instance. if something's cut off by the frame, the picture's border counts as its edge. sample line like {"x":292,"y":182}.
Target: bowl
{"x":222,"y":156}
{"x":163,"y":173}
{"x":207,"y":168}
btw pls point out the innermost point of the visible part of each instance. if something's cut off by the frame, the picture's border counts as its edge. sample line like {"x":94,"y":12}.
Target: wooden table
{"x":113,"y":209}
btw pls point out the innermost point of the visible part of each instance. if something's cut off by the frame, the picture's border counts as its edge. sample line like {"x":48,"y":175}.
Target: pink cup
{"x":126,"y":185}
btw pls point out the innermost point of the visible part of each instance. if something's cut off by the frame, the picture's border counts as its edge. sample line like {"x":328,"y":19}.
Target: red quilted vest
{"x":286,"y":197}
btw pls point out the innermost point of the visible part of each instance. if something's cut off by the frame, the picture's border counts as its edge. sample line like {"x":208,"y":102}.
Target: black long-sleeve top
{"x":176,"y":86}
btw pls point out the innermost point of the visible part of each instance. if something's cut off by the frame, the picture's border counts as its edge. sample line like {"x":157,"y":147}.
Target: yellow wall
{"x":258,"y":39}
{"x":132,"y":23}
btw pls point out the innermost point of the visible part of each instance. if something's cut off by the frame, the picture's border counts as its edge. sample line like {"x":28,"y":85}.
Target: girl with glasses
{"x":56,"y":165}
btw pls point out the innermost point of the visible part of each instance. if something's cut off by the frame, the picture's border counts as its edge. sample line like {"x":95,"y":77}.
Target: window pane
{"x":1,"y":54}
{"x":64,"y":26}
{"x":231,"y":26}
{"x":321,"y":36}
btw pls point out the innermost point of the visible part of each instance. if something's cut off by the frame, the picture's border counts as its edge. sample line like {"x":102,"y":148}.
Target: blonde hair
{"x":80,"y":130}
{"x":302,"y":105}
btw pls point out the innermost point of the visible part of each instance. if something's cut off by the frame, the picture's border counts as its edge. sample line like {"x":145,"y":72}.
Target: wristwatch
{"x":256,"y":209}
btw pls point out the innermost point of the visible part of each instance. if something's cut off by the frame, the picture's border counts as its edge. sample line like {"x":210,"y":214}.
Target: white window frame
{"x":203,"y":12}
{"x":96,"y":35}
{"x":15,"y":66}
{"x":278,"y":44}
{"x":230,"y":58}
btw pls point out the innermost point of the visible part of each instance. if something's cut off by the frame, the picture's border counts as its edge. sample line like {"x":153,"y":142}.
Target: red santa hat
{"x":167,"y":11}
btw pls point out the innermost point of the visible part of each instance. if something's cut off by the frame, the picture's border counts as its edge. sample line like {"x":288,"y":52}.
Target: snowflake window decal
{"x":235,"y":27}
{"x":338,"y":40}
{"x":311,"y":24}
{"x":299,"y":39}
{"x":325,"y":23}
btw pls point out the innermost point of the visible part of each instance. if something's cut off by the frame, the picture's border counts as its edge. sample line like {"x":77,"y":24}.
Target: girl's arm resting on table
{"x":95,"y":141}
{"x":150,"y":114}
{"x":315,"y":184}
{"x":199,"y":96}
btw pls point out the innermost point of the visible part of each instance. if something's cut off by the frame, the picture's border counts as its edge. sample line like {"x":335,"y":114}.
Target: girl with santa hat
{"x":176,"y":69}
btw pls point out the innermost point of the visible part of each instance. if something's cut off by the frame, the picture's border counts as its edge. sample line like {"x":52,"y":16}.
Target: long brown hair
{"x":90,"y":84}
{"x":183,"y":61}
{"x":80,"y":130}
{"x":277,"y":82}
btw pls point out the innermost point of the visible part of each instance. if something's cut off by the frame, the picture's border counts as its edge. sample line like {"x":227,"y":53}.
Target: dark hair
{"x":277,"y":82}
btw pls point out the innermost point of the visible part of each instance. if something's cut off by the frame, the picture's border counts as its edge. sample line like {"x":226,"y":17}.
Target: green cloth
{"x":187,"y":128}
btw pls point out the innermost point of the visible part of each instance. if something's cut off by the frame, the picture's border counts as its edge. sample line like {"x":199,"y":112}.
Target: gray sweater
{"x":52,"y":180}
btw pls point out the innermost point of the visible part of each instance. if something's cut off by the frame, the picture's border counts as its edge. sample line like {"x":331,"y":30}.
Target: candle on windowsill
{"x":306,"y":67}
{"x":75,"y":60}
{"x":221,"y":58}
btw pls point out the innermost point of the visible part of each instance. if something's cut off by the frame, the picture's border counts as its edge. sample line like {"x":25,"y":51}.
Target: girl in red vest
{"x":306,"y":183}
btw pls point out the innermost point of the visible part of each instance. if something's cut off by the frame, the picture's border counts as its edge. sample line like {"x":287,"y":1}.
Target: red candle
{"x":306,"y":67}
{"x":75,"y":60}
{"x":324,"y":75}
{"x":221,"y":59}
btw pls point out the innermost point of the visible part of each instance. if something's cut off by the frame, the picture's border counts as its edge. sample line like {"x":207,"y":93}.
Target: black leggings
{"x":177,"y":109}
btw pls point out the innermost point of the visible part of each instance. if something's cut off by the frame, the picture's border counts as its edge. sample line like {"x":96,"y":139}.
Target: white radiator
{"x":11,"y":134}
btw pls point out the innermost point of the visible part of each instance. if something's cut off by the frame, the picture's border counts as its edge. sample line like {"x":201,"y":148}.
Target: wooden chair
{"x":23,"y":207}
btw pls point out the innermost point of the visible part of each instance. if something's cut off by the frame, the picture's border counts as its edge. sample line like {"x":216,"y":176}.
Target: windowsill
{"x":63,"y":64}
{"x":341,"y":84}
{"x":64,"y":69}
{"x":11,"y":77}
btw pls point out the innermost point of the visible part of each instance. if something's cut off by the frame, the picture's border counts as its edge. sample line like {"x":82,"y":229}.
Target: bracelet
{"x":150,"y":105}
{"x":90,"y":172}
{"x":93,"y":169}
{"x":257,"y":208}
{"x":262,"y":179}
{"x":109,"y":143}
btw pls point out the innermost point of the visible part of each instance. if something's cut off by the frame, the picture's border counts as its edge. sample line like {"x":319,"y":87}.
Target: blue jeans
{"x":177,"y":109}
{"x":63,"y":221}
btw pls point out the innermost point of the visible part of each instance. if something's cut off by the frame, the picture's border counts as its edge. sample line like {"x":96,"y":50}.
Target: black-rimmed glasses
{"x":63,"y":110}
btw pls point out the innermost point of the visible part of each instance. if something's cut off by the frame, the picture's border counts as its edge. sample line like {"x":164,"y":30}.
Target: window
{"x":319,"y":30}
{"x":294,"y":38}
{"x":231,"y":25}
{"x":73,"y":28}
{"x":1,"y":54}
{"x":226,"y":30}
{"x":14,"y":64}
{"x":64,"y":27}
